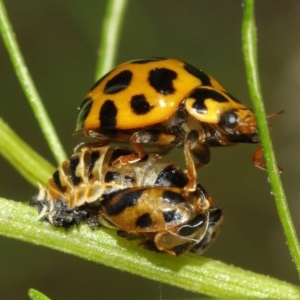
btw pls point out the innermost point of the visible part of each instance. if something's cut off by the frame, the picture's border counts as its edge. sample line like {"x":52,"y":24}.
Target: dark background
{"x":59,"y":40}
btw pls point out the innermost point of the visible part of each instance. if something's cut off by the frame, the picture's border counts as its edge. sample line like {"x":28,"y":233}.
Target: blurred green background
{"x":59,"y":40}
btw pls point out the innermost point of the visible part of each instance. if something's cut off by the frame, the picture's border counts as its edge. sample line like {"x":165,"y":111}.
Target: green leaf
{"x":30,"y":164}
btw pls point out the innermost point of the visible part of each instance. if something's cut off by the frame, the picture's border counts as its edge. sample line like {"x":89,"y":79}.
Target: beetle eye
{"x":228,"y":120}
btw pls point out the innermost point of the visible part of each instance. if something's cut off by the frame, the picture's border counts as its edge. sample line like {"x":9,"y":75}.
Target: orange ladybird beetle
{"x":168,"y":103}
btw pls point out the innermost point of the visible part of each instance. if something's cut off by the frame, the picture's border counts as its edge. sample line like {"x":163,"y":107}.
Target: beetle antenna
{"x":275,"y":114}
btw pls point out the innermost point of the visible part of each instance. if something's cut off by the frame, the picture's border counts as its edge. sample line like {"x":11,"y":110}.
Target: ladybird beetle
{"x":168,"y":103}
{"x":91,"y":173}
{"x":165,"y":218}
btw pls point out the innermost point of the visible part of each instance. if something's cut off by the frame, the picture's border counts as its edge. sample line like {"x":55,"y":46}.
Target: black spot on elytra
{"x":172,"y":197}
{"x":108,"y":114}
{"x":171,"y":176}
{"x":140,"y":105}
{"x":74,"y":161}
{"x":171,"y":215}
{"x":118,"y":83}
{"x":147,"y":60}
{"x":112,"y":176}
{"x":98,"y":82}
{"x":202,"y":94}
{"x":202,"y":76}
{"x":128,"y":198}
{"x":192,"y":226}
{"x":56,"y":179}
{"x":161,"y":79}
{"x":84,"y":110}
{"x":144,"y":221}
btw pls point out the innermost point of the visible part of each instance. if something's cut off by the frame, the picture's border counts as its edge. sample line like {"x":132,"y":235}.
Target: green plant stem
{"x":31,"y":165}
{"x":194,"y":273}
{"x":28,"y":86}
{"x":250,"y":56}
{"x":110,"y":35}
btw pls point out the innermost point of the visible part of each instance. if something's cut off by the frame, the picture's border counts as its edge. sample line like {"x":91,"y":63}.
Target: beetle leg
{"x":257,"y":159}
{"x":138,"y":154}
{"x":191,"y":169}
{"x":137,"y":140}
{"x":132,"y":158}
{"x":149,"y":137}
{"x":201,"y":151}
{"x":199,"y":148}
{"x":152,"y":137}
